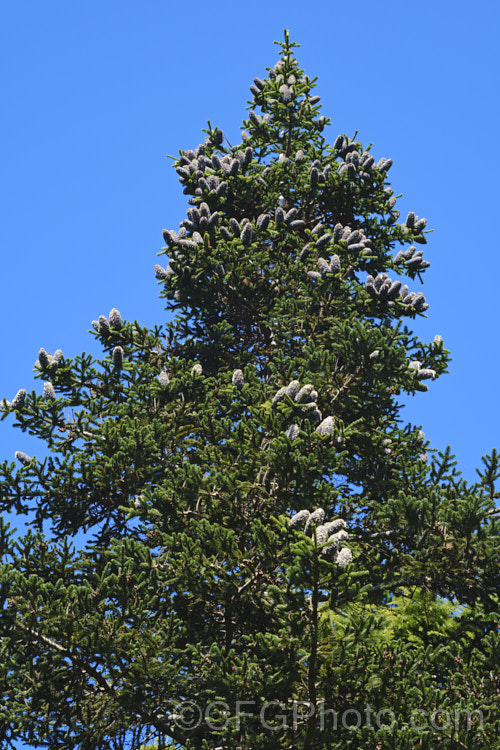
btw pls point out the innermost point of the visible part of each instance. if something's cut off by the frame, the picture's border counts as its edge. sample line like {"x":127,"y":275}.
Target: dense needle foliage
{"x":266,"y":534}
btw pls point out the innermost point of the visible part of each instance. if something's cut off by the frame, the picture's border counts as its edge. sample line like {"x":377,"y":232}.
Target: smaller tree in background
{"x":274,"y":560}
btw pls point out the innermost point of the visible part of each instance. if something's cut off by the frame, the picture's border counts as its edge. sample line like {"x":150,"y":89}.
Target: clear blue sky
{"x":95,"y":94}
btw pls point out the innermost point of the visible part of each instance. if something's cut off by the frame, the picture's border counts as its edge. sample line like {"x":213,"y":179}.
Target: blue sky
{"x":96,"y":94}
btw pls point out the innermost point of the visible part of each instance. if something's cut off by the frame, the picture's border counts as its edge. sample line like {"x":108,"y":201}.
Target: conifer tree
{"x":275,"y":558}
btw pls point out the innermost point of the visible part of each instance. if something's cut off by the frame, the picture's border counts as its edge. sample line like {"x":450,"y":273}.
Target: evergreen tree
{"x":272,"y":561}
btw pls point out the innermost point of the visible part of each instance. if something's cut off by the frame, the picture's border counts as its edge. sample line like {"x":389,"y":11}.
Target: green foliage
{"x":185,"y":452}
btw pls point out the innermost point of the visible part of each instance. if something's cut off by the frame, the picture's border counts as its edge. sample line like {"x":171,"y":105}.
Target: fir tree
{"x":273,"y":561}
